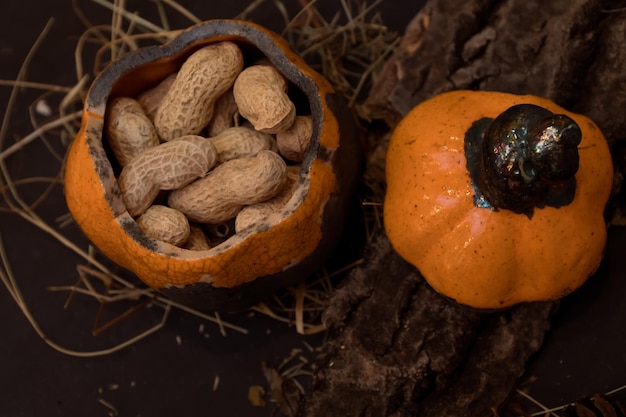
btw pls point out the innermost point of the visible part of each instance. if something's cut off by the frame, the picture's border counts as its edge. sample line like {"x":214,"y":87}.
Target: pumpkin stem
{"x":526,"y":157}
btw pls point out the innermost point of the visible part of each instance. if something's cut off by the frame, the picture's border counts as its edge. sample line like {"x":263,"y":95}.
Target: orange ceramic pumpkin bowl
{"x":289,"y":246}
{"x":478,"y":254}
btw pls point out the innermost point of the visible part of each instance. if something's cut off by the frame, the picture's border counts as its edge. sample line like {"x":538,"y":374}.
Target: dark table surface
{"x":174,"y":371}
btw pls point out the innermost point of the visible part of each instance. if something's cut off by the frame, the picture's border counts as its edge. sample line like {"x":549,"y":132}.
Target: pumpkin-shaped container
{"x":282,"y":248}
{"x":498,"y":198}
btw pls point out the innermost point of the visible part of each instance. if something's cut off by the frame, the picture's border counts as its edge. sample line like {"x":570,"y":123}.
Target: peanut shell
{"x":261,"y":95}
{"x":222,"y":193}
{"x":129,"y":130}
{"x":188,"y":105}
{"x":165,"y":224}
{"x":168,"y":166}
{"x":240,"y":141}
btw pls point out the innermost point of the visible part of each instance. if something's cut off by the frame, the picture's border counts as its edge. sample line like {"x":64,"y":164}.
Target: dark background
{"x":584,"y":353}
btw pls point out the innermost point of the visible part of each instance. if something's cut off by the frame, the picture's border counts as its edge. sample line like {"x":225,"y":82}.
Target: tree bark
{"x":570,"y":51}
{"x":396,"y":347}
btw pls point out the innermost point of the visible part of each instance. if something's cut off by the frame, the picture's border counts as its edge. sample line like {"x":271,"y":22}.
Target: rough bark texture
{"x":399,"y":349}
{"x":396,"y":347}
{"x":571,"y":52}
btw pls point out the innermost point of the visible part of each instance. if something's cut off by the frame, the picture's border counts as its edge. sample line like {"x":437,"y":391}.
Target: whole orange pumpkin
{"x":286,"y":248}
{"x":497,"y":198}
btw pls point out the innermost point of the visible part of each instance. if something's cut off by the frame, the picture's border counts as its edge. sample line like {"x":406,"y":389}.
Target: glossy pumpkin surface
{"x":286,"y":247}
{"x":482,"y":256}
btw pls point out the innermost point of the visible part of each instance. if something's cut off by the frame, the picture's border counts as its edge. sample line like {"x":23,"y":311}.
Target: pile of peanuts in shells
{"x":209,"y":151}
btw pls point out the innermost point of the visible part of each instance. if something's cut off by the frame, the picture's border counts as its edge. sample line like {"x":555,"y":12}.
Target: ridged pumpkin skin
{"x":480,"y":257}
{"x":291,"y":245}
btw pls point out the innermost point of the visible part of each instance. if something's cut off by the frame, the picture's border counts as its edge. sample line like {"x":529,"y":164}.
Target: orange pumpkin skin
{"x":288,"y":247}
{"x":484,"y":258}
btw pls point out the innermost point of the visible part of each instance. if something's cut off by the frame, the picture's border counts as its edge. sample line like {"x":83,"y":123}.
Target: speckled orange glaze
{"x":285,"y":239}
{"x":477,"y":256}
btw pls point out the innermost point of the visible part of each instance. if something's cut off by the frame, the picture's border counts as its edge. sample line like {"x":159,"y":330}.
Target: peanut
{"x":151,"y":99}
{"x":129,"y":130}
{"x":221,"y":194}
{"x":255,"y":213}
{"x":261,"y":95}
{"x":238,"y":142}
{"x":169,"y":166}
{"x":197,"y":240}
{"x":225,"y":114}
{"x":188,"y":105}
{"x":293,"y":142}
{"x":165,"y":224}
